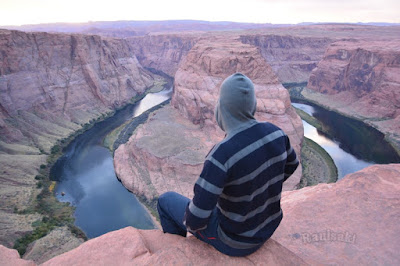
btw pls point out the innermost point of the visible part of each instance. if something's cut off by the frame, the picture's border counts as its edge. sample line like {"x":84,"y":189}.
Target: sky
{"x":20,"y":12}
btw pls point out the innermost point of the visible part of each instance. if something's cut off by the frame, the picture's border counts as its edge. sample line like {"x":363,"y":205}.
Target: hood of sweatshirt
{"x":236,"y":104}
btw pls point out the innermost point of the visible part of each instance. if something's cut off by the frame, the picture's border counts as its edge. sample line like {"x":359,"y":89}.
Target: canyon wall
{"x":361,"y":79}
{"x":50,"y":86}
{"x":53,"y":77}
{"x":168,"y":151}
{"x":291,"y":57}
{"x":163,"y":52}
{"x":351,"y":222}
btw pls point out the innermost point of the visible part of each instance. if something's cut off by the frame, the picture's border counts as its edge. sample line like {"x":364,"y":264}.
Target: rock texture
{"x":50,"y":86}
{"x":163,"y":52}
{"x":361,"y":79}
{"x":45,"y":77}
{"x":10,"y":257}
{"x":167,"y":152}
{"x":351,"y":222}
{"x":130,"y":246}
{"x":291,"y":57}
{"x":55,"y":243}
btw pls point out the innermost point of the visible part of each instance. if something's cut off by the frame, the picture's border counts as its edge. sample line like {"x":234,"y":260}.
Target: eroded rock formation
{"x":361,"y":79}
{"x":168,"y":151}
{"x":50,"y":86}
{"x":163,"y":52}
{"x":46,"y":78}
{"x":291,"y":57}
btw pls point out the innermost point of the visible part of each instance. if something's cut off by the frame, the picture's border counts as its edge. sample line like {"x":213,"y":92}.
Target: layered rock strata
{"x":291,"y":57}
{"x":163,"y":52}
{"x":168,"y":151}
{"x":130,"y":246}
{"x":46,"y":78}
{"x":50,"y":86}
{"x":361,"y":79}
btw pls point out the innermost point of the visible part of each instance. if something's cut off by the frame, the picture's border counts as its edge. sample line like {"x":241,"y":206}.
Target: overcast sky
{"x":18,"y":12}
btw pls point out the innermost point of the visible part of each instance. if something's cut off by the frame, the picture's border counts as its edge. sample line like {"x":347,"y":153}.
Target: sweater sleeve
{"x":291,"y":162}
{"x":207,"y":190}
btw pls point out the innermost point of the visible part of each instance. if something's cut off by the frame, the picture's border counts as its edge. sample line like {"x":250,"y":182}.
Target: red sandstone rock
{"x":59,"y":78}
{"x":130,"y":246}
{"x":291,"y":57}
{"x":163,"y":52}
{"x":10,"y":257}
{"x":352,"y":222}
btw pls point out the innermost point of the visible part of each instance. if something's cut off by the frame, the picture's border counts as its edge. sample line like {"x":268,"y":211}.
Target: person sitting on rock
{"x":236,"y":203}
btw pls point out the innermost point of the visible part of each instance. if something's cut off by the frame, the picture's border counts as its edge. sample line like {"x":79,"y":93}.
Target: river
{"x":86,"y":179}
{"x":351,"y":144}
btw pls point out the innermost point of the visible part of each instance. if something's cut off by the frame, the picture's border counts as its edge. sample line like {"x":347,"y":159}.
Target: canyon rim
{"x":52,"y":84}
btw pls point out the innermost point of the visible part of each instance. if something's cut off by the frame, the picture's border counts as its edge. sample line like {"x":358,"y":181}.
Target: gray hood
{"x":237,"y":104}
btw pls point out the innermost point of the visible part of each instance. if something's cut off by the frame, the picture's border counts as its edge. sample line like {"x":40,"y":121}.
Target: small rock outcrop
{"x":10,"y":257}
{"x":167,"y":152}
{"x":55,"y":243}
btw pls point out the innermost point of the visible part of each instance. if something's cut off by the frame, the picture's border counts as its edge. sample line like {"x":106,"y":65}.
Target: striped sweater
{"x":242,"y":177}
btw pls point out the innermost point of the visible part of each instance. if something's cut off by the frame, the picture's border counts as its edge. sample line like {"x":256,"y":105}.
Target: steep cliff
{"x":291,"y":57}
{"x":361,"y":79}
{"x":353,"y":221}
{"x":168,"y":151}
{"x":163,"y":52}
{"x":53,"y":77}
{"x":50,"y":86}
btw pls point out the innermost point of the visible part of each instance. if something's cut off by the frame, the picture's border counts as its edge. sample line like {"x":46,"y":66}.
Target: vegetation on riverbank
{"x":318,"y":166}
{"x":54,"y":213}
{"x":309,"y":119}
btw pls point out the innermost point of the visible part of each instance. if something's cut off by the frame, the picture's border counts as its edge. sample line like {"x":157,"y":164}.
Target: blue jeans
{"x":171,"y":208}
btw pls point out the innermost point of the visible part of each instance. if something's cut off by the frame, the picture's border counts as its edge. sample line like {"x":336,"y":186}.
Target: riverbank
{"x":318,"y":166}
{"x":302,"y":93}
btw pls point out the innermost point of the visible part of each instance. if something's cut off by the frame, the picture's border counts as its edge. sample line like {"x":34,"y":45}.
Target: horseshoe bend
{"x":54,"y":86}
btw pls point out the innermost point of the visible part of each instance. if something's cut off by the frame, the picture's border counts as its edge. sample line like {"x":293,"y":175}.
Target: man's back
{"x":244,"y":175}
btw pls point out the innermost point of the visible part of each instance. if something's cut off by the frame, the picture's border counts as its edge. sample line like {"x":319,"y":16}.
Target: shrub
{"x":55,"y":149}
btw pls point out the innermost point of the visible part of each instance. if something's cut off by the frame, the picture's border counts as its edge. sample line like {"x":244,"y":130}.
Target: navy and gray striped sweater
{"x":242,"y":177}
